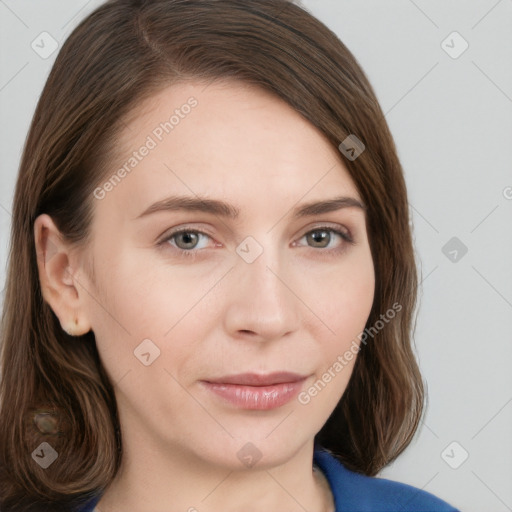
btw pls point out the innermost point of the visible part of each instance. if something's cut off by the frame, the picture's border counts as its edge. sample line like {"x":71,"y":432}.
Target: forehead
{"x":227,"y":140}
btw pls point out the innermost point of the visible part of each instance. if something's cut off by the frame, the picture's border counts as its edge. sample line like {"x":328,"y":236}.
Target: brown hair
{"x":122,"y":53}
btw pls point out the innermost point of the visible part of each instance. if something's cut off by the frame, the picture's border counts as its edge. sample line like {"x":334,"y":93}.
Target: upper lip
{"x":256,"y":379}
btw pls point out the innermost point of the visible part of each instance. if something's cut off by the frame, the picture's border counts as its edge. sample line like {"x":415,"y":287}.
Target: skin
{"x":296,"y":307}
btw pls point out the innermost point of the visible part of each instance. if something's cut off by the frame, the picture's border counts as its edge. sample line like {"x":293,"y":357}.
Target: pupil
{"x":318,"y":236}
{"x":188,"y":238}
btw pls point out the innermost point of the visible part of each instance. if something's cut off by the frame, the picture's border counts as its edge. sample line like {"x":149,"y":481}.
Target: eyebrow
{"x":223,"y":209}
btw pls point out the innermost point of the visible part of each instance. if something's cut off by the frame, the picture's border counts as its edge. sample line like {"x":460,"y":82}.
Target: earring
{"x":73,"y":329}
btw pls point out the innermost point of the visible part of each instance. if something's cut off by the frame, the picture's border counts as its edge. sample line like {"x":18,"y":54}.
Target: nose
{"x":261,"y":304}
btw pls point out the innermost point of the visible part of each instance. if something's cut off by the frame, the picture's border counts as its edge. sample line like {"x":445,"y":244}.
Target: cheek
{"x":136,"y":301}
{"x":345,"y":309}
{"x":345,"y":297}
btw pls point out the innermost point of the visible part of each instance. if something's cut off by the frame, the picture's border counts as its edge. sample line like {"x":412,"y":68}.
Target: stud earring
{"x":73,"y":329}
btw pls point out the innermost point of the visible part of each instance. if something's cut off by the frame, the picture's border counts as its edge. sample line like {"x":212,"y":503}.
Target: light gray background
{"x":452,"y":123}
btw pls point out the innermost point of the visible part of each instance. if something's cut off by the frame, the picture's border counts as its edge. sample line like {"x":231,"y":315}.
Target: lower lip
{"x":256,"y":397}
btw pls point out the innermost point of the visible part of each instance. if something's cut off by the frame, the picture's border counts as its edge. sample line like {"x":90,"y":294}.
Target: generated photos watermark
{"x":151,"y":142}
{"x":344,"y":359}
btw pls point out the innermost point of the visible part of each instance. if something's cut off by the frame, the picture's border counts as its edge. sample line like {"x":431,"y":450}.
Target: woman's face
{"x":267,"y":291}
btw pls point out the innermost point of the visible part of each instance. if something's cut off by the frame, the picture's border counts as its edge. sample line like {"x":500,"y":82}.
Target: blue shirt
{"x":354,"y":492}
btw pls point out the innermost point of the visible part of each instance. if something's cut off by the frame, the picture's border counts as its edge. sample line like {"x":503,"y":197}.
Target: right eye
{"x":184,"y":241}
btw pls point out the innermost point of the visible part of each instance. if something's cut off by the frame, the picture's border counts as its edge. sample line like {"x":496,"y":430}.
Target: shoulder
{"x":355,"y":492}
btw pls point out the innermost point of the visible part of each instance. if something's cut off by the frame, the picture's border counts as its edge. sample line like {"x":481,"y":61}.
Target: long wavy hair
{"x":53,"y":386}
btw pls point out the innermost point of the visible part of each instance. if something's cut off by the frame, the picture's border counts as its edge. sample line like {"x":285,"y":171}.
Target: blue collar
{"x":355,"y":492}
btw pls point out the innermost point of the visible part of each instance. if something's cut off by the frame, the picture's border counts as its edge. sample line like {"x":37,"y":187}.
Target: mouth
{"x":256,"y":391}
{"x":255,"y":379}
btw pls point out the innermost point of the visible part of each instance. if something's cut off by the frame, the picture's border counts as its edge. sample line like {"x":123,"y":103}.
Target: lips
{"x":255,"y":379}
{"x":256,"y":391}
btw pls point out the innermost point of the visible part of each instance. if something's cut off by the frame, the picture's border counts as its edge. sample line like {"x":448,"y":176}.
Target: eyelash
{"x":192,"y":253}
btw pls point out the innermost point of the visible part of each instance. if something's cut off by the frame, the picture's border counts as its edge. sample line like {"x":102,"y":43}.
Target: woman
{"x":211,"y":282}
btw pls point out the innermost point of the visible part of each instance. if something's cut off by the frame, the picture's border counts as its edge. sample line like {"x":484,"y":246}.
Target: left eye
{"x":322,"y":234}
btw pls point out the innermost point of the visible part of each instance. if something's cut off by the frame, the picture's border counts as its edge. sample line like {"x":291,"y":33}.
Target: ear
{"x":58,"y":276}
